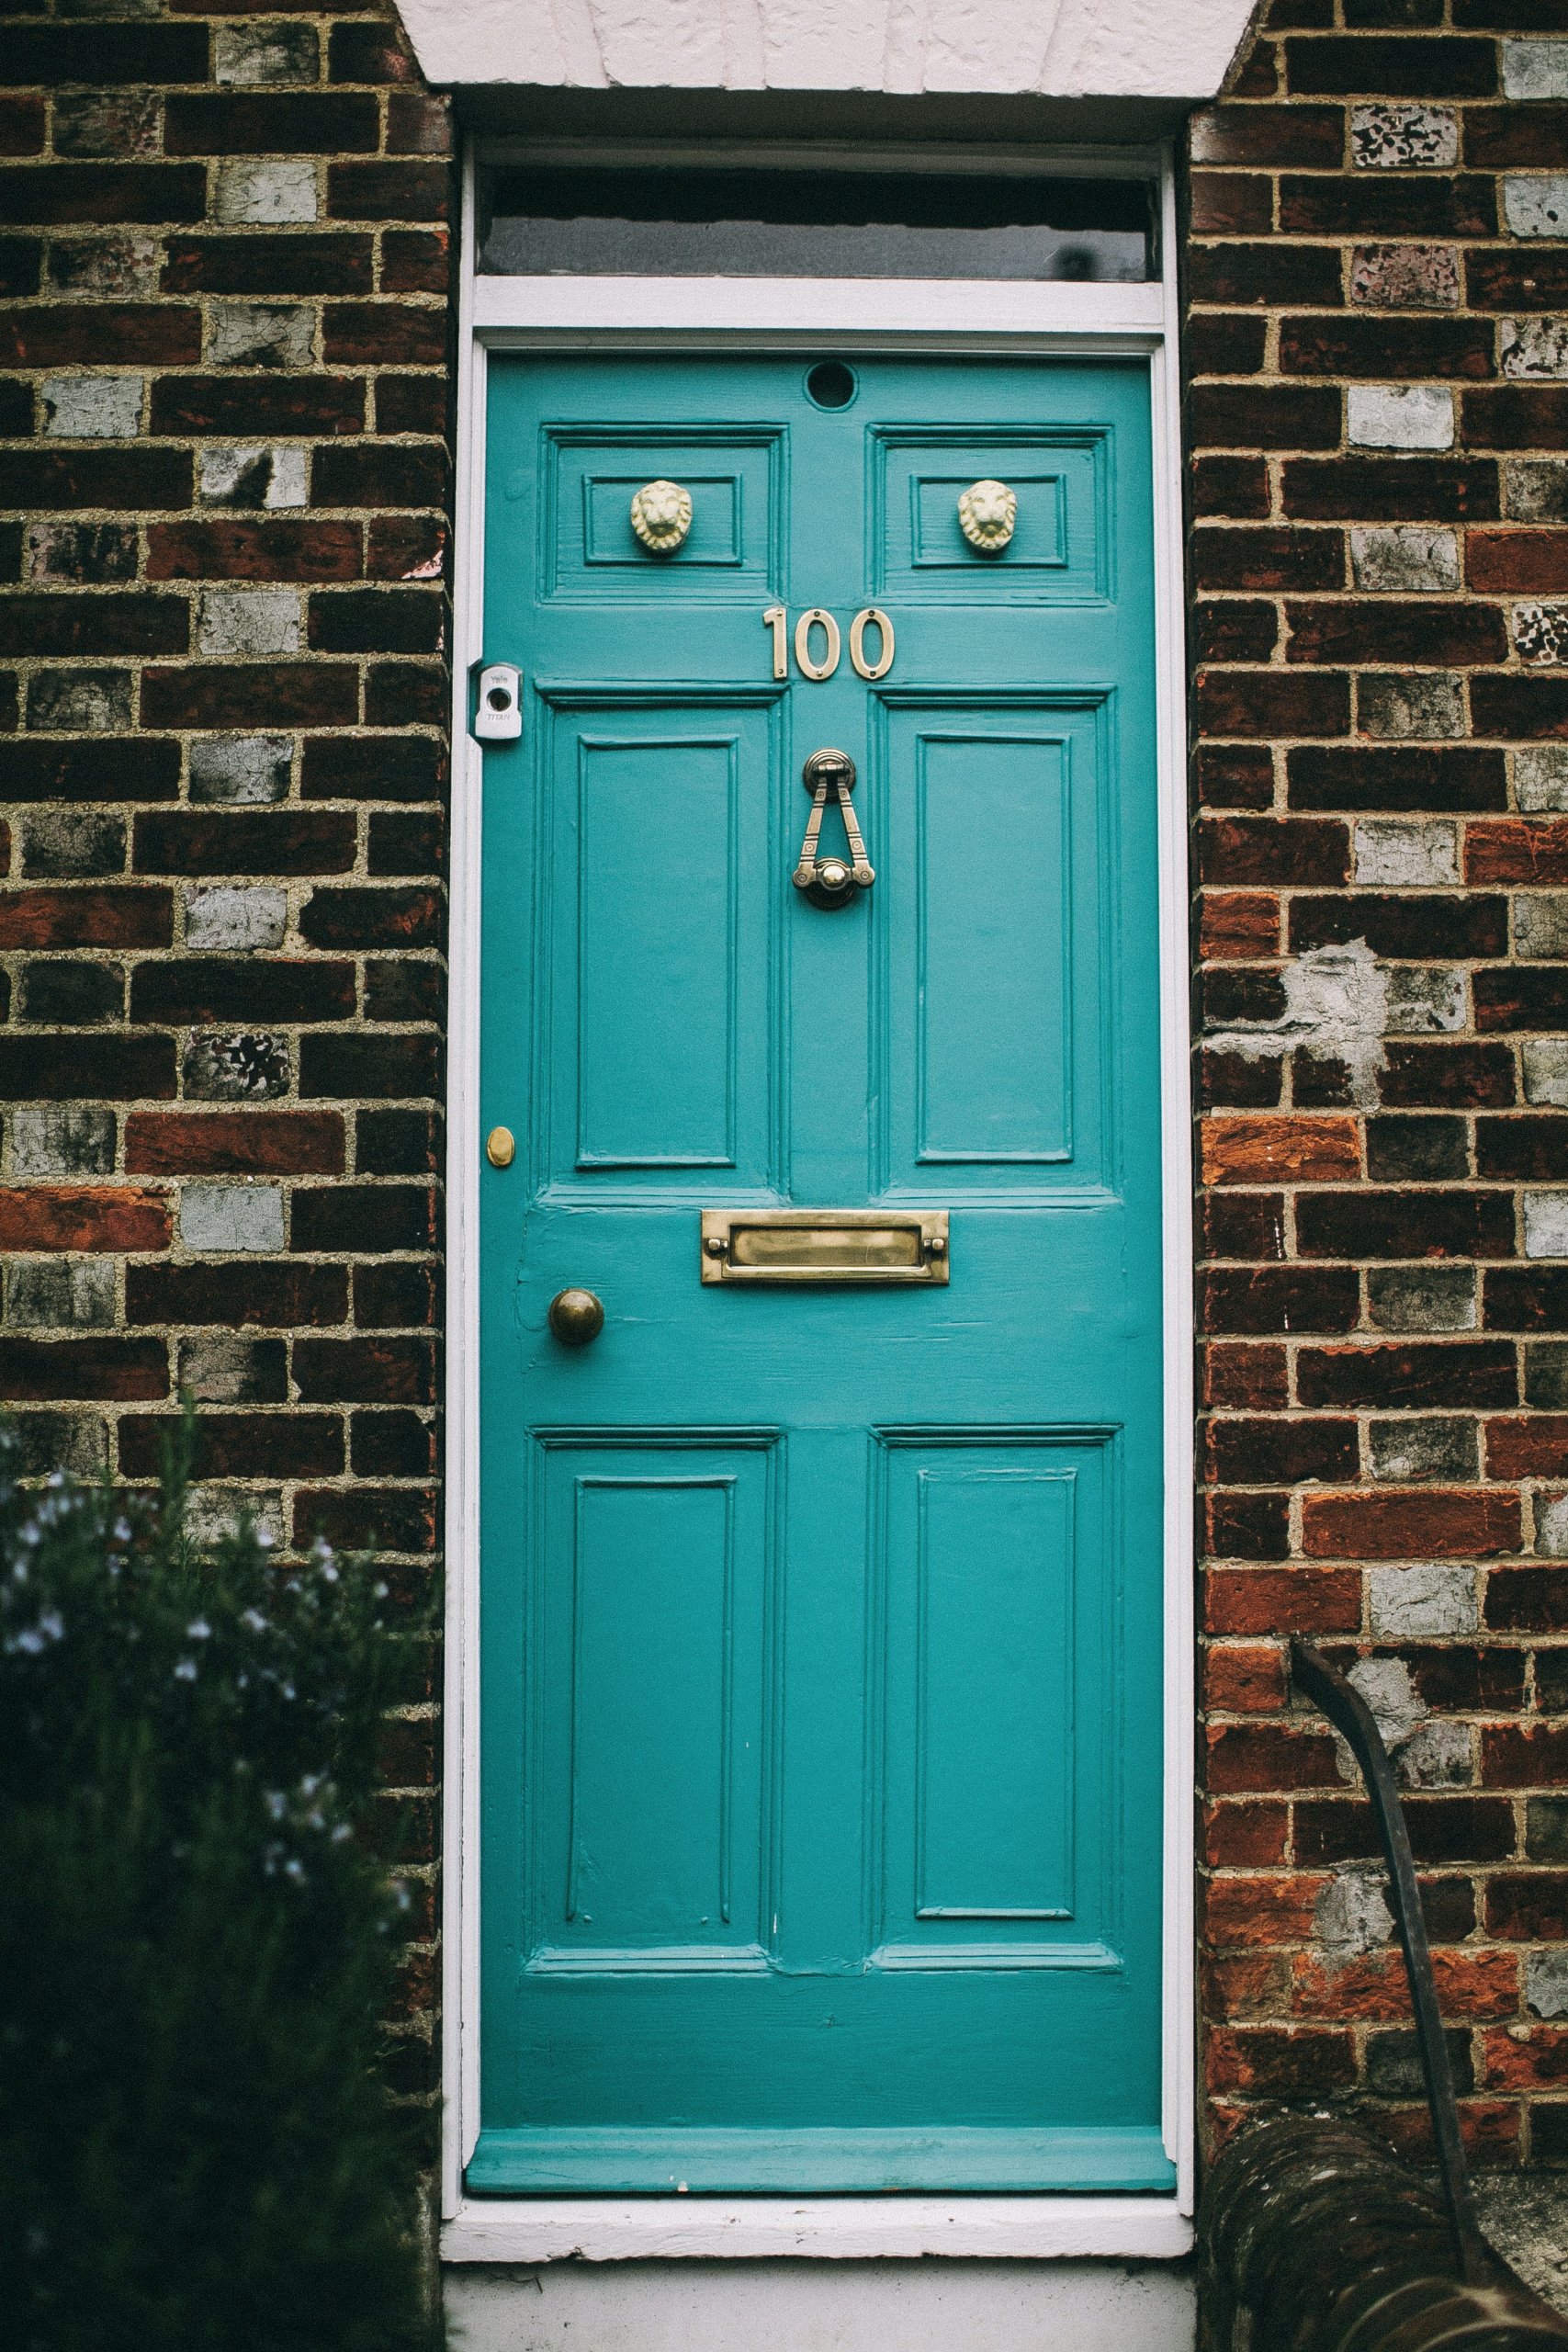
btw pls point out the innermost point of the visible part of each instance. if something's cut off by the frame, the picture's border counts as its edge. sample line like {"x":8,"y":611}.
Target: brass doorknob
{"x":576,"y":1316}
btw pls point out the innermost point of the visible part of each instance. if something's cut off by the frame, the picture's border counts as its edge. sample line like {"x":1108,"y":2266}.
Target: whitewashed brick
{"x":1409,"y":704}
{"x":1546,"y":1071}
{"x":259,"y":189}
{"x":237,"y":917}
{"x":1405,"y":1604}
{"x":93,"y":408}
{"x":1404,"y":560}
{"x":240,"y":769}
{"x":1546,"y":1983}
{"x":261,"y":334}
{"x":1535,"y":69}
{"x":1402,"y":138}
{"x":1552,"y":1526}
{"x":253,"y":475}
{"x":231,"y":1217}
{"x":1540,"y":777}
{"x":1535,"y":204}
{"x":62,"y":1139}
{"x":1400,"y":416}
{"x":1546,"y":1225}
{"x":1533,"y":346}
{"x":1393,"y":855}
{"x":272,"y":52}
{"x":1541,"y":923}
{"x":1423,"y":998}
{"x":247,"y":623}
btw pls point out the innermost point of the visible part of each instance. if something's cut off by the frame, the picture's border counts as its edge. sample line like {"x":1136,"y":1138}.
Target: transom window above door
{"x":663,"y":220}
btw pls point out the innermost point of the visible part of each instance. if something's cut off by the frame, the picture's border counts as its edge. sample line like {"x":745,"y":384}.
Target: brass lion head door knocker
{"x":987,"y":515}
{"x":831,"y":881}
{"x":661,"y":515}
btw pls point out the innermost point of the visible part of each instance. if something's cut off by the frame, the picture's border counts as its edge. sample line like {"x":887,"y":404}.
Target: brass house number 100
{"x":817,"y":622}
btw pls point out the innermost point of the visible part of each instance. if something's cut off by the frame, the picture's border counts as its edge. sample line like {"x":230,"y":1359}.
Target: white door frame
{"x":610,"y":313}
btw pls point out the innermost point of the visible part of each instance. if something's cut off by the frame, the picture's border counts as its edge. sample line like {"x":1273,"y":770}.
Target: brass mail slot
{"x":824,"y":1246}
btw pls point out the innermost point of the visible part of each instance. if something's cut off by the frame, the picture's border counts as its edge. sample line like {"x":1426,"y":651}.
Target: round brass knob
{"x":501,"y":1148}
{"x":833,"y":873}
{"x":576,"y":1316}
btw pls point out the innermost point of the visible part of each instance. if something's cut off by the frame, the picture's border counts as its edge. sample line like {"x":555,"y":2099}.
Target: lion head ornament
{"x":661,"y":515}
{"x":988,"y":511}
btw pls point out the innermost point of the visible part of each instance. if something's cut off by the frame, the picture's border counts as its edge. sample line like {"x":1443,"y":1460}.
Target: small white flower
{"x":185,"y":1670}
{"x":293,"y":1868}
{"x":253,"y":1620}
{"x":277,"y":1804}
{"x":265,"y":1539}
{"x":198,"y":1630}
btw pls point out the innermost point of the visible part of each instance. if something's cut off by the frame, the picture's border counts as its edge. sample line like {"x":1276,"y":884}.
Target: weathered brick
{"x":138,"y":915}
{"x":234,"y":1143}
{"x":1477,"y":1372}
{"x":1400,"y":1527}
{"x":258,"y":404}
{"x":216,"y":987}
{"x":241,"y":550}
{"x":240,"y":1445}
{"x":103,"y":1367}
{"x":298,"y":263}
{"x":1252,"y":1151}
{"x":295,"y":841}
{"x":1267,"y":1300}
{"x":364,"y":1218}
{"x":281,"y":1296}
{"x":296,"y":694}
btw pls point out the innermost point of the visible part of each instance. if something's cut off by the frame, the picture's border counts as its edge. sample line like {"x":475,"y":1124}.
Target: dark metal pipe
{"x":1345,"y":1708}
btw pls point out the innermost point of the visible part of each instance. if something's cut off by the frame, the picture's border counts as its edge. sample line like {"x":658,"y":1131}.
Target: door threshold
{"x":818,"y":2229}
{"x":620,"y":2162}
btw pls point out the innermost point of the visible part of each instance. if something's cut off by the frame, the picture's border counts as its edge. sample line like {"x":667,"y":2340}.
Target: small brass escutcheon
{"x":500,"y":1146}
{"x":576,"y":1316}
{"x":864,"y":1247}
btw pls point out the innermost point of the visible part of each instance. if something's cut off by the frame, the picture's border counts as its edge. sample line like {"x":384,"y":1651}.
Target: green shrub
{"x":197,"y":2150}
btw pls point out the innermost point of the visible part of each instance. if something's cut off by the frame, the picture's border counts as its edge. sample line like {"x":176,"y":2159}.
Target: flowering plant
{"x":196,"y":2144}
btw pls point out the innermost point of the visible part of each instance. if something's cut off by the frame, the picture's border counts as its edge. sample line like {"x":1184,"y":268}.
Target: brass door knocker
{"x":830,"y":881}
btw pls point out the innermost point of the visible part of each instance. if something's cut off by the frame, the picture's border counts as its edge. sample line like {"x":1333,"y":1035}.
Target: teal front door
{"x":821,"y":1645}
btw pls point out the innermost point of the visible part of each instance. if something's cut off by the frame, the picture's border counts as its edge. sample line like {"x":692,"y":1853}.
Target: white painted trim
{"x":842,"y":2229}
{"x":810,"y":308}
{"x":610,"y":313}
{"x":460,"y":1791}
{"x":1176,"y":1062}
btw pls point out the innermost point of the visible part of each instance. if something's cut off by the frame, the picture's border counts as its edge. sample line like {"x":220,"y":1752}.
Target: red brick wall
{"x":224,"y":392}
{"x":1377,"y":412}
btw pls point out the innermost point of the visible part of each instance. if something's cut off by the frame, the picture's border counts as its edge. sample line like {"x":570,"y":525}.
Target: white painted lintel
{"x":1163,"y":50}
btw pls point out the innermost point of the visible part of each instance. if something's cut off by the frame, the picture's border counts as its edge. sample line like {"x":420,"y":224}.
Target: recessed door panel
{"x":591,"y":552}
{"x":821,"y":1643}
{"x":997,"y":943}
{"x":1058,"y":552}
{"x":649,"y":1695}
{"x":1001,"y":1580}
{"x":660,"y":914}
